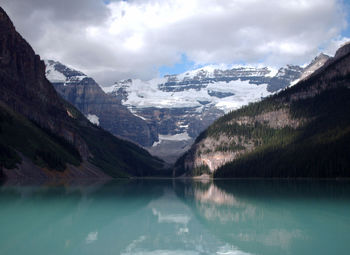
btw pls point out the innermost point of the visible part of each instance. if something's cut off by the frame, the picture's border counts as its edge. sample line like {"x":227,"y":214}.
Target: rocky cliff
{"x":38,"y":126}
{"x":315,"y":64}
{"x":303,"y":131}
{"x":105,"y":110}
{"x":26,"y":90}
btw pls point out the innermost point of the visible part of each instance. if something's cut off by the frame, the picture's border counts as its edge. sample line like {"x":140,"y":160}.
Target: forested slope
{"x":303,"y":131}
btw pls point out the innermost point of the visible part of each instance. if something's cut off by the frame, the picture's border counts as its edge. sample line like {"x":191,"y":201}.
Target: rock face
{"x":303,"y":131}
{"x":217,"y":150}
{"x":284,"y":77}
{"x":26,"y":90}
{"x":38,"y":126}
{"x":315,"y":64}
{"x":105,"y":110}
{"x":179,"y":107}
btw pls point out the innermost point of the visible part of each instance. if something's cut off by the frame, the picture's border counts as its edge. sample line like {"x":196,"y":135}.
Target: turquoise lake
{"x":237,"y":217}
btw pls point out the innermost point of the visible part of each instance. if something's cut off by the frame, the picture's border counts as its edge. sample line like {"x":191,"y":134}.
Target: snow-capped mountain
{"x":180,"y":106}
{"x":168,"y":113}
{"x":224,"y":89}
{"x":59,"y":73}
{"x":101,"y":109}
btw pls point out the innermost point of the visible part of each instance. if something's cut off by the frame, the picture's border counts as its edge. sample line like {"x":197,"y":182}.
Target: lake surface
{"x":176,"y":217}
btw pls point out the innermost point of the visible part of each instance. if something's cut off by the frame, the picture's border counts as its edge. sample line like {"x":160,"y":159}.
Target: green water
{"x":176,"y":217}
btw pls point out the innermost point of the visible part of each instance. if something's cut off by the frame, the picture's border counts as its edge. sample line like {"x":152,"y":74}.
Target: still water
{"x":176,"y":217}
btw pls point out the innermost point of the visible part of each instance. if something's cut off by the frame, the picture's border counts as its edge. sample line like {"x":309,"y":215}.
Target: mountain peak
{"x":5,"y":19}
{"x":56,"y":72}
{"x":343,"y":50}
{"x":320,"y":57}
{"x":315,"y":64}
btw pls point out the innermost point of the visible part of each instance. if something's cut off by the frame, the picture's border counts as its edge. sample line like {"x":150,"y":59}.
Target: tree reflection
{"x":272,"y":217}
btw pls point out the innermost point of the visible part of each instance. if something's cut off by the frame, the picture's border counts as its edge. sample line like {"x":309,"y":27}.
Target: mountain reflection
{"x":272,"y":216}
{"x":215,"y":204}
{"x":214,"y":195}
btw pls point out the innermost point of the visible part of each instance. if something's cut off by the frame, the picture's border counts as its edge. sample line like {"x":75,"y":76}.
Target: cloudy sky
{"x":112,"y":40}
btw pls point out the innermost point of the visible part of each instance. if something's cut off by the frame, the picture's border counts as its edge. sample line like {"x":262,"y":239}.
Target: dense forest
{"x":320,"y":148}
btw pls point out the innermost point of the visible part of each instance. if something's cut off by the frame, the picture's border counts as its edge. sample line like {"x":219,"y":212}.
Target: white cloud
{"x":334,"y":44}
{"x":131,"y":39}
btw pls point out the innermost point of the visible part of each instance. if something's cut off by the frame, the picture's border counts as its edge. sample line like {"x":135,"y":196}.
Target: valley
{"x":168,"y":113}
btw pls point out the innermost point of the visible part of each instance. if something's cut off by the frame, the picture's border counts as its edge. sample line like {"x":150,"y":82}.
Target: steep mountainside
{"x":315,"y":64}
{"x":303,"y":131}
{"x":42,"y":135}
{"x":102,"y":109}
{"x":180,"y":106}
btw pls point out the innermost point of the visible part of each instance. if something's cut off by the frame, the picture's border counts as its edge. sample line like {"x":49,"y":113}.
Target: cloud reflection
{"x":281,"y":238}
{"x":92,"y":237}
{"x":171,"y":218}
{"x":230,"y":250}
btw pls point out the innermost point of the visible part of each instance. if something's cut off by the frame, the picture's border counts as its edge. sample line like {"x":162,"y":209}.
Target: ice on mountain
{"x":93,"y":119}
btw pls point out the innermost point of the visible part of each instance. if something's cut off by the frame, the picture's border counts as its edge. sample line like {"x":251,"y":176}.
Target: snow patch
{"x":294,"y":82}
{"x":273,"y":72}
{"x":93,"y":119}
{"x":178,"y":137}
{"x":146,"y":94}
{"x":52,"y":75}
{"x":109,"y":89}
{"x":243,"y":91}
{"x":55,"y":76}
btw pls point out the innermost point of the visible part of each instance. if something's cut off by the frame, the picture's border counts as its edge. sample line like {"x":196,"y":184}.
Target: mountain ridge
{"x":302,"y":131}
{"x":85,"y":94}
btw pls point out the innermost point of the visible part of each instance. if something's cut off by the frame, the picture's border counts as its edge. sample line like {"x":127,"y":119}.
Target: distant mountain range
{"x":302,"y":131}
{"x":169,"y":113}
{"x":181,"y":106}
{"x":42,"y":136}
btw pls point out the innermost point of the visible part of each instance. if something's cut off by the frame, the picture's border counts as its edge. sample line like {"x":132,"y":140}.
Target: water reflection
{"x":273,"y":217}
{"x":72,"y":219}
{"x":215,"y":204}
{"x":175,"y":217}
